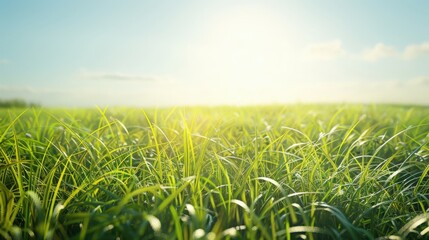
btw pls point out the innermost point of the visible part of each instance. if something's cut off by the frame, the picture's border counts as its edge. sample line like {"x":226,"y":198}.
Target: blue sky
{"x":163,"y":53}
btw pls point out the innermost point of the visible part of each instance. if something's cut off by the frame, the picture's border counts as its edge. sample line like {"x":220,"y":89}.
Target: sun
{"x":241,"y":45}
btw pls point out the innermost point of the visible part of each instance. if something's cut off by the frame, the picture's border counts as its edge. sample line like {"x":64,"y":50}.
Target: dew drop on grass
{"x":154,"y":223}
{"x":211,"y":236}
{"x":57,"y":209}
{"x":199,"y":233}
{"x":191,"y":209}
{"x":184,"y":218}
{"x":232,"y":232}
{"x":108,"y":228}
{"x":302,"y":236}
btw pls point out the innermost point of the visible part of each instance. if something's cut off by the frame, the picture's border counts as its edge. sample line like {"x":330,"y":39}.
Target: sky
{"x":166,"y":53}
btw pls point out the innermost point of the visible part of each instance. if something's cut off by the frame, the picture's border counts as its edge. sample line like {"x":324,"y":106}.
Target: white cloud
{"x":382,"y":51}
{"x":118,"y":76}
{"x":325,"y":51}
{"x":379,"y":51}
{"x":416,"y":50}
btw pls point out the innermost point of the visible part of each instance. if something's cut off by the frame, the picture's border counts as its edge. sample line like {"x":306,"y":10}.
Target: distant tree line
{"x":16,"y":103}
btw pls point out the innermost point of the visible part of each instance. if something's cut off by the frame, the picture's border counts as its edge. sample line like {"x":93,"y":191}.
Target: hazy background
{"x":161,"y":53}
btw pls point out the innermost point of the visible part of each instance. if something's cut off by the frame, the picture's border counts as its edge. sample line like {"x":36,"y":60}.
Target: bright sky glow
{"x":163,"y":53}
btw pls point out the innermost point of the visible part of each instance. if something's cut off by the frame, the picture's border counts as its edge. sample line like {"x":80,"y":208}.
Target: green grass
{"x":275,"y":172}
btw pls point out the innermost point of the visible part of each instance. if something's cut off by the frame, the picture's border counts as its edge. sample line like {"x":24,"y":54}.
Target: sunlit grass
{"x":292,"y":172}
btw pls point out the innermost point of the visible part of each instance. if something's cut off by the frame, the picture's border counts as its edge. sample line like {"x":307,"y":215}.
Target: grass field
{"x":275,"y":172}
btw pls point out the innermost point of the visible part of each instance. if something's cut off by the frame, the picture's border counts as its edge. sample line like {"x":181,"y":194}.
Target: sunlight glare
{"x":243,"y":43}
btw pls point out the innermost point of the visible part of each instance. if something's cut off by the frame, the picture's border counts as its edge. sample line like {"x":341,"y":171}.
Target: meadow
{"x":264,"y":172}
